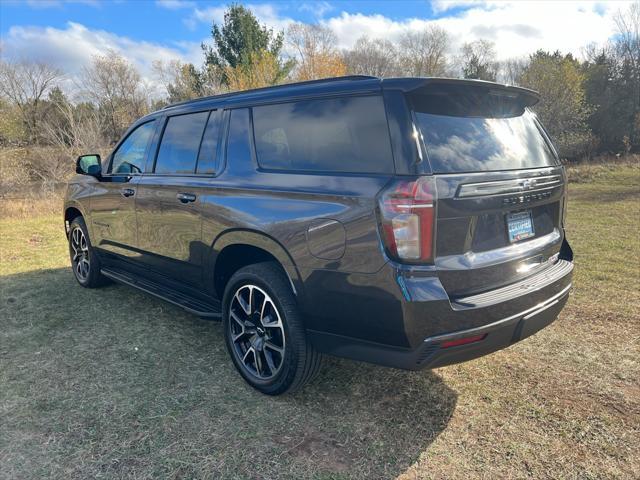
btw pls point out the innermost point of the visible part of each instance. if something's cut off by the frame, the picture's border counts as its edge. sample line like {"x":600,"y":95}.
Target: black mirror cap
{"x":89,"y":165}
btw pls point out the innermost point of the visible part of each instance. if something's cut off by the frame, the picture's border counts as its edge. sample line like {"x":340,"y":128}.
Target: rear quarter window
{"x":347,"y":135}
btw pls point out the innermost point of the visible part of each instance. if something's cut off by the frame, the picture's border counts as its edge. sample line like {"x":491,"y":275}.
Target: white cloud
{"x":317,"y":8}
{"x":266,"y":14}
{"x":517,"y":28}
{"x":439,"y":6}
{"x":71,"y":49}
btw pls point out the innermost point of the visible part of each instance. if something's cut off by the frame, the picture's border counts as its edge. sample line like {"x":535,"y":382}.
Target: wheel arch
{"x":71,"y":212}
{"x":234,"y":249}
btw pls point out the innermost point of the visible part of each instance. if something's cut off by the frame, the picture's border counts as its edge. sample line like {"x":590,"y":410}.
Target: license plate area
{"x":520,"y":226}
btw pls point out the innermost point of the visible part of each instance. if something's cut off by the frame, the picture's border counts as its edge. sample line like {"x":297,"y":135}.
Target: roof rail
{"x":272,"y":87}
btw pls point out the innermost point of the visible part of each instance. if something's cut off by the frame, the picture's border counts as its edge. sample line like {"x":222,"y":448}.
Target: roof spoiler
{"x":525,"y":96}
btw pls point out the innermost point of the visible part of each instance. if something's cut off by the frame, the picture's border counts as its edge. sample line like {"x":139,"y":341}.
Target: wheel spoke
{"x":246,"y":354}
{"x":243,"y":304}
{"x":237,"y":320}
{"x":85,"y":266}
{"x":264,"y":305}
{"x":274,"y":347}
{"x":272,"y":323}
{"x":270,"y":362}
{"x":258,"y":357}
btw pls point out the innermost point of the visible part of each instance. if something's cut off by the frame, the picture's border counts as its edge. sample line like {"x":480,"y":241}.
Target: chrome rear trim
{"x":523,"y":287}
{"x":516,"y":185}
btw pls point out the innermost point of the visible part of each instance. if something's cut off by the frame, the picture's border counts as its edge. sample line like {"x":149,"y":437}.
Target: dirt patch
{"x":322,"y":450}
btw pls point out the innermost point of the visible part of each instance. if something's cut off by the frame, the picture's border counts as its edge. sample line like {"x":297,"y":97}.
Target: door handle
{"x":186,"y":197}
{"x":127,"y":192}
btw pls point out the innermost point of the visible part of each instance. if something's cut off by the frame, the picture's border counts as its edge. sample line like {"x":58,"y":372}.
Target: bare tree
{"x":24,"y":84}
{"x":628,"y":31}
{"x":375,"y":57}
{"x":78,"y":129}
{"x":115,"y":86}
{"x":627,"y":45}
{"x":316,"y":51}
{"x":424,"y":53}
{"x":478,"y":60}
{"x":512,"y":69}
{"x":183,"y":81}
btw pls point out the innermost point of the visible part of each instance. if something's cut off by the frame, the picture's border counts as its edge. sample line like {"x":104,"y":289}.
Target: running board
{"x":189,"y":303}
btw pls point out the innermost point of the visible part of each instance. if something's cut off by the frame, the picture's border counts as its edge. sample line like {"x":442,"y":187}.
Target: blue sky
{"x":173,"y":20}
{"x":69,"y":32}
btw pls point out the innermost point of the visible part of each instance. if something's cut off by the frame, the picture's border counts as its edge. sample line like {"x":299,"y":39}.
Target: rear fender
{"x":261,"y":241}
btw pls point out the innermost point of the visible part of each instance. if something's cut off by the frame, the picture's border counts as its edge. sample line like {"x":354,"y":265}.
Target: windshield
{"x":469,"y":133}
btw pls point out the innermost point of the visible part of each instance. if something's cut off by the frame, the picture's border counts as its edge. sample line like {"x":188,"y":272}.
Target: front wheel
{"x":84,"y":260}
{"x":264,"y":333}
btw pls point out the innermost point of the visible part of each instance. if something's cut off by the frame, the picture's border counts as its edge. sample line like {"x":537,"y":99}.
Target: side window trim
{"x":216,"y":116}
{"x":227,"y":131}
{"x":124,"y":139}
{"x":151,"y":162}
{"x":155,"y":145}
{"x":224,"y":138}
{"x":204,"y":130}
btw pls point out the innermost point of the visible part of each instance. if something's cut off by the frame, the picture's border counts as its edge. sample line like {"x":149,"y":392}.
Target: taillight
{"x":407,"y":210}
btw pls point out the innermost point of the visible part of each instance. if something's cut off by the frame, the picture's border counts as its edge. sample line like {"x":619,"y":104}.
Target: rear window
{"x":330,"y":135}
{"x":479,"y":132}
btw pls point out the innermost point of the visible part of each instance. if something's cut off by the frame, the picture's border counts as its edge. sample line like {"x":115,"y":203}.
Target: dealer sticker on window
{"x":520,"y":226}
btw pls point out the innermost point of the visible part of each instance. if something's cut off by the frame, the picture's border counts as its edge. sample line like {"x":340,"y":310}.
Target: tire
{"x":260,"y":314}
{"x":84,"y":260}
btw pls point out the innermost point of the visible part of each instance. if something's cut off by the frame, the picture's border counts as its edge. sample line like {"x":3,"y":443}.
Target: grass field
{"x":112,"y":383}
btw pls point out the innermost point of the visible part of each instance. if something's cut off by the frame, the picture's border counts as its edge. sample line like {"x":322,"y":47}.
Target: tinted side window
{"x":129,"y":158}
{"x":180,"y":143}
{"x":336,"y":135}
{"x":239,"y":142}
{"x":207,"y":162}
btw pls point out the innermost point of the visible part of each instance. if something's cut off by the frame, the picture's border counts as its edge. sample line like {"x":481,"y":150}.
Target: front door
{"x":169,"y":197}
{"x":113,"y":214}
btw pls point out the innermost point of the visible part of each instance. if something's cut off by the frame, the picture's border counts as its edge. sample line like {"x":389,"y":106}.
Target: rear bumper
{"x":431,"y":354}
{"x":432,"y":323}
{"x":497,"y":335}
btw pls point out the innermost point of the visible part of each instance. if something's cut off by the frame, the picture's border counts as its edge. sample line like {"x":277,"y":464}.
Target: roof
{"x":351,"y":83}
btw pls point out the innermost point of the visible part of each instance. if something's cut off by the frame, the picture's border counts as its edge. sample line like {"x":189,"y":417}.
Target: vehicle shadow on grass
{"x":113,"y":382}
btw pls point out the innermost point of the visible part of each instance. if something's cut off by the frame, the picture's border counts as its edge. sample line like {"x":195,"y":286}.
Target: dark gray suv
{"x":410,"y":222}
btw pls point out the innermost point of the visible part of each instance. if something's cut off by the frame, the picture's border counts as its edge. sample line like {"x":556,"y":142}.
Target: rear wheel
{"x":84,"y":261}
{"x":264,"y":333}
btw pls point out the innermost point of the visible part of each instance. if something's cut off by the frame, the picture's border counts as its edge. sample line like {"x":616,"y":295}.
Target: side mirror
{"x":89,"y":165}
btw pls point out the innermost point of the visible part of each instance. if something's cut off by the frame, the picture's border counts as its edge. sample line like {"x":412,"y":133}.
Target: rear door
{"x":499,"y":184}
{"x":169,"y":199}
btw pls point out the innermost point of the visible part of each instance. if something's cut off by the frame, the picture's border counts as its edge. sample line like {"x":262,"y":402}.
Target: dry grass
{"x":112,"y":383}
{"x":34,"y":205}
{"x":600,"y":168}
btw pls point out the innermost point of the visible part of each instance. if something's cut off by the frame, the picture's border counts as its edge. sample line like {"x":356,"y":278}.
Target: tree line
{"x":589,"y":106}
